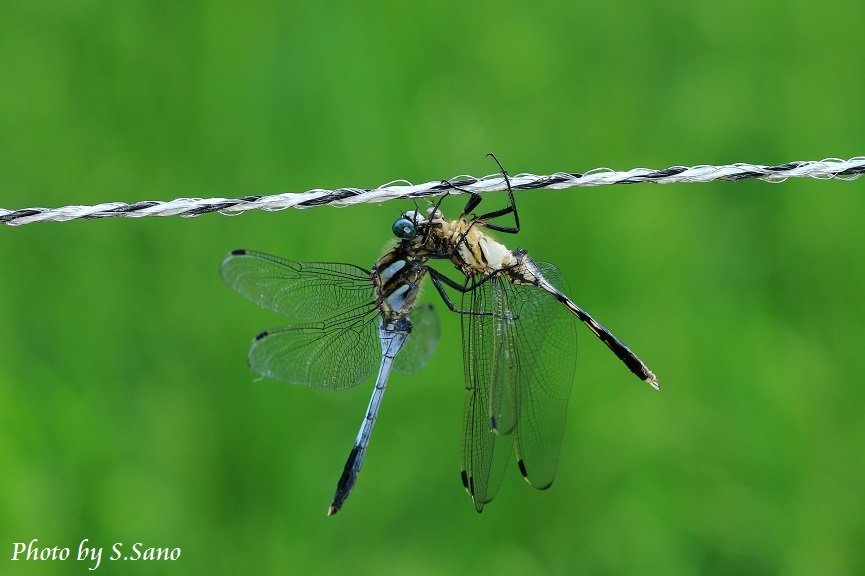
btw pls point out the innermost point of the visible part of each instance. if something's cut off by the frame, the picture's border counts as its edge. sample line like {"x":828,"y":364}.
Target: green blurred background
{"x":127,"y":413}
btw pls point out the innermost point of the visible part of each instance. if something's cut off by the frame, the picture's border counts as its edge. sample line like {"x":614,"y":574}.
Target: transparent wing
{"x":331,"y":355}
{"x":543,"y":343}
{"x":505,"y":384}
{"x":301,"y":290}
{"x":520,"y":348}
{"x":422,"y":341}
{"x":485,"y":453}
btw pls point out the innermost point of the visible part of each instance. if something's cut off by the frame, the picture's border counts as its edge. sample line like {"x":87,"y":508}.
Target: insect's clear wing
{"x":300,"y":290}
{"x":422,"y":341}
{"x":544,"y":345}
{"x":485,"y":452}
{"x":520,"y":350}
{"x":506,"y":388}
{"x":331,"y":355}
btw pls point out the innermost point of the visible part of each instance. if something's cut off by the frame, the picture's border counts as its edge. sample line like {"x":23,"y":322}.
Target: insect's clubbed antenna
{"x":827,"y":169}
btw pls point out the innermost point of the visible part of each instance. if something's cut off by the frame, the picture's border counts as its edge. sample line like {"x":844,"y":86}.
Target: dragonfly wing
{"x":331,"y":355}
{"x":506,"y":389}
{"x":421,"y":343}
{"x":544,"y":344}
{"x":301,"y":290}
{"x":485,"y":452}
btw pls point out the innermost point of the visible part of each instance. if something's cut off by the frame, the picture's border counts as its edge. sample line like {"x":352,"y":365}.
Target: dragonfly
{"x":519,"y":345}
{"x":519,"y":335}
{"x":360,"y":307}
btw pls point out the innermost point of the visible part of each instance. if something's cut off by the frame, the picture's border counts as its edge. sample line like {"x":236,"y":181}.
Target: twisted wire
{"x":827,"y":169}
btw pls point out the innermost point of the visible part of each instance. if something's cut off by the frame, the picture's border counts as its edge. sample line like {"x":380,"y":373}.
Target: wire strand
{"x":827,"y":169}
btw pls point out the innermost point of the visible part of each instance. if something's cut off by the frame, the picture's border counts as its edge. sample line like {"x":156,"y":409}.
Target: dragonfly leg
{"x":439,"y":280}
{"x":511,"y":208}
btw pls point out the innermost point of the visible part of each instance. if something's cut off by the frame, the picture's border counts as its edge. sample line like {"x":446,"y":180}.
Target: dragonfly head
{"x":410,"y":225}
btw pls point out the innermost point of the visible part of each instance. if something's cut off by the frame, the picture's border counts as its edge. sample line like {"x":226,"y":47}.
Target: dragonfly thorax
{"x":396,"y":279}
{"x":471,"y":250}
{"x":475,"y":252}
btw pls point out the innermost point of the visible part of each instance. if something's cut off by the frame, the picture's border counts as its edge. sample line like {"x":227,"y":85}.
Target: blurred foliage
{"x":127,"y":413}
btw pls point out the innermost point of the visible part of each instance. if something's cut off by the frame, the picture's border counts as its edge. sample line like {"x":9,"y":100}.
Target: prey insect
{"x":519,"y":345}
{"x":519,"y":336}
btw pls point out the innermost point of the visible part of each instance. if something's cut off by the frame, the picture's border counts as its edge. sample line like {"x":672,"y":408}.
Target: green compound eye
{"x":405,"y":228}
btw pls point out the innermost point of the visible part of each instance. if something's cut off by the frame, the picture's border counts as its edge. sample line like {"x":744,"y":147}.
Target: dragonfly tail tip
{"x":652,"y":381}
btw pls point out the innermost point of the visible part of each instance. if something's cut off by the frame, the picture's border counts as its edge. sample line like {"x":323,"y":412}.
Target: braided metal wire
{"x":830,"y":168}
